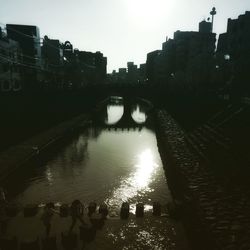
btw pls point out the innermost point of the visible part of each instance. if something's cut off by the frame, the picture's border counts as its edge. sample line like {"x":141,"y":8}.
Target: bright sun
{"x":148,"y":12}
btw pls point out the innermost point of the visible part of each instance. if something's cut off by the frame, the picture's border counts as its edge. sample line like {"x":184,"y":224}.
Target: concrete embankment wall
{"x":23,"y":115}
{"x":210,"y":214}
{"x":17,"y":156}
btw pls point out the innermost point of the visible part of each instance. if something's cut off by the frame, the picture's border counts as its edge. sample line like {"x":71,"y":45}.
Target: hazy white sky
{"x":124,"y":30}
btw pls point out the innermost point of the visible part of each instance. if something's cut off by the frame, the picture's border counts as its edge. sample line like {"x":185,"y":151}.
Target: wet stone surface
{"x":114,"y":233}
{"x":222,"y":215}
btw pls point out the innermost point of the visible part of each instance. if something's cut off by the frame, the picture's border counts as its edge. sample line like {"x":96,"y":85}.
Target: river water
{"x":110,"y":164}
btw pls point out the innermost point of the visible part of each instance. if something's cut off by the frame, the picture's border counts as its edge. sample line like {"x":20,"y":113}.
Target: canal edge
{"x":183,"y":171}
{"x":17,"y":156}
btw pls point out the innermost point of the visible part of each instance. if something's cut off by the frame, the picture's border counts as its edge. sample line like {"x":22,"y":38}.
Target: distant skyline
{"x":123,"y":30}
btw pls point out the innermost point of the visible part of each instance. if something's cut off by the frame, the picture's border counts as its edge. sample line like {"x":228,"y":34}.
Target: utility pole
{"x":213,"y":13}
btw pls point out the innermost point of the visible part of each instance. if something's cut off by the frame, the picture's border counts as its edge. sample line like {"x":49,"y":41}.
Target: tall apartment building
{"x":10,"y":59}
{"x":28,"y":38}
{"x":233,"y":53}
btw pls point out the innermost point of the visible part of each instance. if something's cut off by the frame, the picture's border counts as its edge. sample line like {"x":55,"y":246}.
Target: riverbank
{"x":87,"y":168}
{"x":216,"y":217}
{"x":16,"y":156}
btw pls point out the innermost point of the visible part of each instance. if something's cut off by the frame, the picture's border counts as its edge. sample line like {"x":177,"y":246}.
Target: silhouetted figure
{"x":91,"y":208}
{"x":76,"y":210}
{"x":47,"y":216}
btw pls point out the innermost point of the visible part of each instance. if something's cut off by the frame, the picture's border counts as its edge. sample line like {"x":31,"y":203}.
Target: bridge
{"x":32,"y":112}
{"x":126,"y":120}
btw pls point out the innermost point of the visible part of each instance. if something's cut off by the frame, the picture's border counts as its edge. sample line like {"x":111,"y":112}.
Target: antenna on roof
{"x":213,"y":13}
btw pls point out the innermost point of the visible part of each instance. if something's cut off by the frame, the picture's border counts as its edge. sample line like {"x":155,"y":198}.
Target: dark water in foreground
{"x":112,"y":166}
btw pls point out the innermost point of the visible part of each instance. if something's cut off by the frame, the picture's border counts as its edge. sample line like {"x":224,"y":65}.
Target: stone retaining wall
{"x":215,"y":218}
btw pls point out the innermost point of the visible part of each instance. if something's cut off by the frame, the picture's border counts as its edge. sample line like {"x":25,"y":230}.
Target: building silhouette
{"x":233,"y":55}
{"x":132,"y":74}
{"x":91,"y":66}
{"x":185,"y":62}
{"x":122,"y":75}
{"x":28,"y":38}
{"x":30,"y":63}
{"x":10,"y":59}
{"x":151,"y":65}
{"x":52,"y":56}
{"x":142,"y":73}
{"x":195,"y":57}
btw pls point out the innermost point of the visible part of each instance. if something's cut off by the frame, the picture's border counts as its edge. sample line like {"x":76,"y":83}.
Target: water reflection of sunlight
{"x":145,"y":168}
{"x":137,"y":183}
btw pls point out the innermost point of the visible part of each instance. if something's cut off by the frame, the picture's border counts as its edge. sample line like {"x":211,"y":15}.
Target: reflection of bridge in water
{"x":134,"y":114}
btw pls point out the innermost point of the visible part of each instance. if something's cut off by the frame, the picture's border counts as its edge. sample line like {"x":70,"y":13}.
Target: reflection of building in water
{"x":76,"y":153}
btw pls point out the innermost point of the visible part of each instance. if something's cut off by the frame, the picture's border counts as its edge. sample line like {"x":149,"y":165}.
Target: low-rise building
{"x":132,"y":74}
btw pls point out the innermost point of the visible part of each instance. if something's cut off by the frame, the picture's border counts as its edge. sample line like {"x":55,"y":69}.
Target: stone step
{"x":230,"y":117}
{"x":212,"y":138}
{"x":217,"y":133}
{"x":224,"y":114}
{"x":197,"y":148}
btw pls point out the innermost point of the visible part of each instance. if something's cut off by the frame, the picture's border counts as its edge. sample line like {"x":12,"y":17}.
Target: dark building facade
{"x":90,"y":68}
{"x":185,"y":62}
{"x":151,"y":65}
{"x":10,"y":60}
{"x":233,"y":54}
{"x":28,"y":38}
{"x":53,"y":71}
{"x":132,"y":74}
{"x":195,"y":58}
{"x":142,"y":73}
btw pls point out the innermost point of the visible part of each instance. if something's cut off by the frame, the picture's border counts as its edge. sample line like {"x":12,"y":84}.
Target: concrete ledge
{"x":20,"y":154}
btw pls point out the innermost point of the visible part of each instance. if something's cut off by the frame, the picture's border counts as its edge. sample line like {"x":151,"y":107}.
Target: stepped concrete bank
{"x":215,"y":216}
{"x":18,"y":155}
